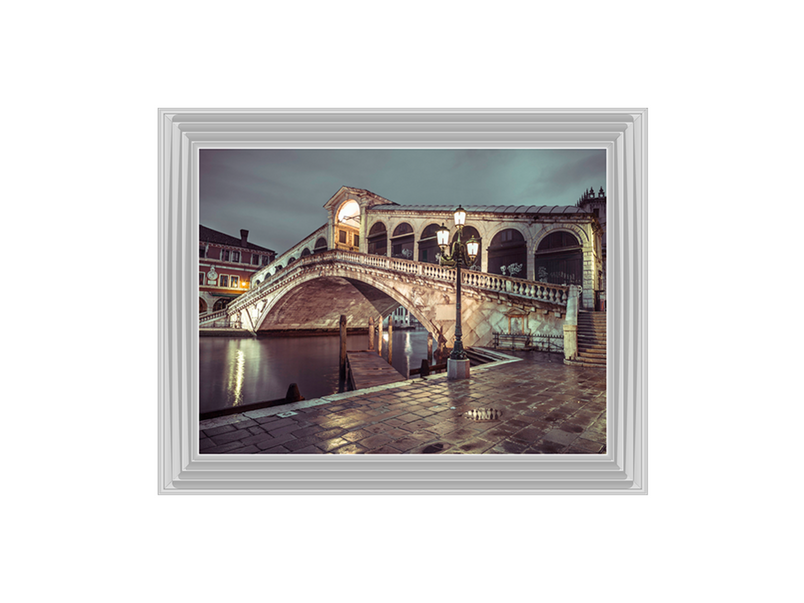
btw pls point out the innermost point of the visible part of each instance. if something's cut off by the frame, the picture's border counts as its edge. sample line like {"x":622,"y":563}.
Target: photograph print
{"x":389,"y":301}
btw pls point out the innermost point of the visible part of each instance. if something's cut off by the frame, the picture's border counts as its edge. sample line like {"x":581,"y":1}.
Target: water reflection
{"x":234,"y":390}
{"x":244,"y":370}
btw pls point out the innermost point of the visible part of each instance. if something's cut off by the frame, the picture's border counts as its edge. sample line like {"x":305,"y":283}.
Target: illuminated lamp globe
{"x":460,"y":216}
{"x":443,"y":237}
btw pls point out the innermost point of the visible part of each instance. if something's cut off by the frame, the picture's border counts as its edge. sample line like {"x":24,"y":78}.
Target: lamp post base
{"x":457,"y":369}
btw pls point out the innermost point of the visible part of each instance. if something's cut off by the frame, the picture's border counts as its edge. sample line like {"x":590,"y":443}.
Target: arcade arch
{"x":508,"y":253}
{"x":378,"y":239}
{"x":428,"y":244}
{"x":402,"y":242}
{"x":558,"y":259}
{"x":347,"y":235}
{"x":468,"y":233}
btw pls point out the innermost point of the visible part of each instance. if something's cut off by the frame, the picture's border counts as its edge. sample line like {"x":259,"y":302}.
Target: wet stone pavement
{"x":546,"y":408}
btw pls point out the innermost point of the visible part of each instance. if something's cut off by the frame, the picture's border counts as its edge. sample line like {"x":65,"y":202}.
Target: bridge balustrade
{"x":554,"y":294}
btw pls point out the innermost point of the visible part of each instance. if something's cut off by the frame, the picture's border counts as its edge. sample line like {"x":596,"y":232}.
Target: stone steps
{"x":591,"y":340}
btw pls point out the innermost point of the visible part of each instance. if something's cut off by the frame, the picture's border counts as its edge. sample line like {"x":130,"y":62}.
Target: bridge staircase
{"x":591,"y":339}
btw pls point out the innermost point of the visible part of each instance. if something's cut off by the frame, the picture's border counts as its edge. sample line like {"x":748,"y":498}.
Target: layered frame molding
{"x":622,"y":133}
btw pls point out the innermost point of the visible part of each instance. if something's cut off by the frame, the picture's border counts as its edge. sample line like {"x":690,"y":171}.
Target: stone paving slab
{"x":547,"y":408}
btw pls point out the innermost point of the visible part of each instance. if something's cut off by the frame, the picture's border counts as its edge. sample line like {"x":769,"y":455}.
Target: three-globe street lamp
{"x":458,"y":363}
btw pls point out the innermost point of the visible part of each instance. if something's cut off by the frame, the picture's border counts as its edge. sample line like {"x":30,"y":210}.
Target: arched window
{"x":559,"y":259}
{"x":349,"y":213}
{"x":428,"y":244}
{"x":378,"y":239}
{"x":508,"y":254}
{"x":220,"y":304}
{"x":305,"y":252}
{"x":291,"y":259}
{"x":320,"y":245}
{"x":348,"y":226}
{"x":402,"y":242}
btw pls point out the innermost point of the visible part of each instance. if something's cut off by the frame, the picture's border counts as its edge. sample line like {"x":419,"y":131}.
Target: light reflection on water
{"x":240,"y":371}
{"x":236,"y":370}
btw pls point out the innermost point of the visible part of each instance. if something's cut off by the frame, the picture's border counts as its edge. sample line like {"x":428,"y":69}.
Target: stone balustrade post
{"x":571,"y":325}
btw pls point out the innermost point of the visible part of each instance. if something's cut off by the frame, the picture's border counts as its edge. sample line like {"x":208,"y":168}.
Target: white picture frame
{"x":621,"y":132}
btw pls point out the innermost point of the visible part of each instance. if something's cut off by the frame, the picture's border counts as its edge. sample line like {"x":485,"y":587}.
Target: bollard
{"x":390,"y":339}
{"x":425,"y":370}
{"x":429,"y":347}
{"x":371,"y":333}
{"x":293,"y":394}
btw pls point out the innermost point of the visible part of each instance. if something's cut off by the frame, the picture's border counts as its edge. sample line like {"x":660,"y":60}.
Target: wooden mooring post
{"x":379,"y":333}
{"x":429,"y":347}
{"x":342,"y":372}
{"x":390,"y":339}
{"x":371,"y":334}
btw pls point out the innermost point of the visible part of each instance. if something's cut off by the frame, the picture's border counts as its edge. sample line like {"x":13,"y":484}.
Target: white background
{"x":83,"y":82}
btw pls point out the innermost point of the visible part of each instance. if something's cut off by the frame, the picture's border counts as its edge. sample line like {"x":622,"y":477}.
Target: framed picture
{"x":531,"y":273}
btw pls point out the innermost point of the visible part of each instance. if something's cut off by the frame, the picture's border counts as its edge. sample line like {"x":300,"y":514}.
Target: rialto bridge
{"x":315,"y":290}
{"x":373,"y":255}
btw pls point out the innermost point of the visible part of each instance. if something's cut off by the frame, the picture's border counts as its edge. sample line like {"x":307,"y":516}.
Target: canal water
{"x":235,"y":371}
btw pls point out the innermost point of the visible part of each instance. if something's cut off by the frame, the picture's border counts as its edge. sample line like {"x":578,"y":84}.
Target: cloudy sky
{"x":278,"y":195}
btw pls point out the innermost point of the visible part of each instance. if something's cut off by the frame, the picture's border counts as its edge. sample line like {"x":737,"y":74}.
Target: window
{"x":264,"y":260}
{"x":233,"y":282}
{"x":225,"y":255}
{"x":200,"y":278}
{"x":224,"y":280}
{"x":357,"y":240}
{"x":342,"y":236}
{"x":255,"y":259}
{"x":235,"y":256}
{"x":202,"y":252}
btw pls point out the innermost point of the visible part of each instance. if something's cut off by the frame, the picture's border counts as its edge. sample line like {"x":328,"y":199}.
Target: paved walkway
{"x":547,"y":408}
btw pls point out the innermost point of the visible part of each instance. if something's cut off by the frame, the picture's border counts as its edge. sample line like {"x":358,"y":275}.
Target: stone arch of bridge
{"x":417,"y":310}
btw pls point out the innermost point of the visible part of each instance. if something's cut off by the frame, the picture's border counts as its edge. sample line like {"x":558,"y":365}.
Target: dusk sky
{"x":278,"y":195}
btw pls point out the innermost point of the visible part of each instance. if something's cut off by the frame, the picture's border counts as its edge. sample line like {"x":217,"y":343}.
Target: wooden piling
{"x":429,"y":347}
{"x":371,"y":334}
{"x":379,"y":335}
{"x":390,"y":339}
{"x":342,"y":373}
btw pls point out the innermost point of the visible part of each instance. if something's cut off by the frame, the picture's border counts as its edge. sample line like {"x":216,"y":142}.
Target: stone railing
{"x":264,"y":274}
{"x":537,"y":291}
{"x":212,"y":316}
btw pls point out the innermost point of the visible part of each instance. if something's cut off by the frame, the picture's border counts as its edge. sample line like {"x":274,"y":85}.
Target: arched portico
{"x":507,"y":250}
{"x":558,"y":259}
{"x":378,"y":239}
{"x":402,"y":242}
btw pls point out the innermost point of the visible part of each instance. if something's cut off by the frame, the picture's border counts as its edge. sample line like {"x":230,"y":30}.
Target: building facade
{"x":225,"y":267}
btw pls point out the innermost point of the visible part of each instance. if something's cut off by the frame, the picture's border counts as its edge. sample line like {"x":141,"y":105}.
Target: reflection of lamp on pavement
{"x":461,"y":253}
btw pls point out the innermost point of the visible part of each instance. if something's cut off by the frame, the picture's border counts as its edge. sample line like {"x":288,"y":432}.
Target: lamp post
{"x":457,"y":363}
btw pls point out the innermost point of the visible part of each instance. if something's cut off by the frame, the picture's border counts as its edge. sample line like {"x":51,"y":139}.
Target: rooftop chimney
{"x":243,"y":237}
